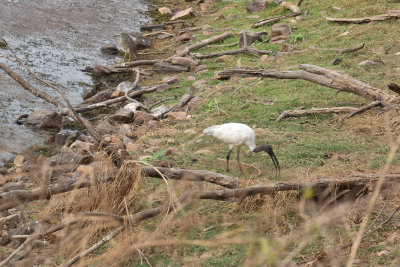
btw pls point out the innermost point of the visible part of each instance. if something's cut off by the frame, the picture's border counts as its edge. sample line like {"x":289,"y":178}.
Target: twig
{"x":8,"y":58}
{"x":376,"y":218}
{"x":361,"y":109}
{"x":141,"y":254}
{"x":161,"y":101}
{"x":103,"y":241}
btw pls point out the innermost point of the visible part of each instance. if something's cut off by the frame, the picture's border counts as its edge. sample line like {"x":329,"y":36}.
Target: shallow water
{"x":56,"y":39}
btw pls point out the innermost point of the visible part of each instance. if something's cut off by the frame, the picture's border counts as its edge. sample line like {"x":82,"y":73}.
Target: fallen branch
{"x":245,"y":49}
{"x":137,"y":93}
{"x":361,"y":109}
{"x":390,"y":14}
{"x":201,"y":44}
{"x":313,"y":111}
{"x":103,"y":241}
{"x":274,"y":19}
{"x":194,"y":175}
{"x":318,"y":75}
{"x":17,"y":197}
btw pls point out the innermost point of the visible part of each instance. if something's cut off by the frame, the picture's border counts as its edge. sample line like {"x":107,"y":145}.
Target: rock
{"x":177,"y":116}
{"x":170,"y":141}
{"x":125,"y":86}
{"x":252,"y":37}
{"x":3,"y":171}
{"x":3,"y":180}
{"x":100,"y":70}
{"x":143,"y":117}
{"x":123,"y":115}
{"x":165,"y":67}
{"x":133,"y":147}
{"x":82,"y":148}
{"x":109,"y":50}
{"x":184,"y":61}
{"x":336,"y":61}
{"x":165,"y":11}
{"x":367,"y":63}
{"x":187,"y":37}
{"x":158,"y":111}
{"x":170,"y":79}
{"x":224,"y":58}
{"x":183,"y":14}
{"x":104,"y":127}
{"x":151,"y":124}
{"x":279,"y":32}
{"x":206,"y":33}
{"x":143,"y":42}
{"x":4,"y":238}
{"x":132,"y":106}
{"x":172,"y":151}
{"x":287,"y":48}
{"x":191,"y":78}
{"x":163,"y":36}
{"x":18,"y":160}
{"x":65,"y":156}
{"x":44,"y":120}
{"x":256,"y":6}
{"x":117,"y":93}
{"x":61,"y":137}
{"x":201,"y":84}
{"x":13,"y":220}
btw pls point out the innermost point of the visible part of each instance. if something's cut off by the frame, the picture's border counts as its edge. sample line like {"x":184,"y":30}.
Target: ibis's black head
{"x":268,"y":149}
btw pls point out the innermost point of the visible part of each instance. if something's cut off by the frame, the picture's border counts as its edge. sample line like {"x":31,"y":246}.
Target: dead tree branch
{"x":318,"y":75}
{"x":360,"y":110}
{"x":274,"y":19}
{"x":342,"y":50}
{"x":313,"y":111}
{"x":245,"y":49}
{"x":201,"y":44}
{"x":390,"y":14}
{"x":137,"y":93}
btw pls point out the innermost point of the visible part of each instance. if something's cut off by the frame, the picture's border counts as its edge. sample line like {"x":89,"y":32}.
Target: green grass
{"x":306,"y":146}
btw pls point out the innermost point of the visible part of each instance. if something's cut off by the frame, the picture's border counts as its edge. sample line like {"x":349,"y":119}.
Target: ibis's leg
{"x":238,"y":159}
{"x":227,"y":159}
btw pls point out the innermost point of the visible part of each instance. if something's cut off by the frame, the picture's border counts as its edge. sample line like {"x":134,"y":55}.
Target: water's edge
{"x":56,"y":39}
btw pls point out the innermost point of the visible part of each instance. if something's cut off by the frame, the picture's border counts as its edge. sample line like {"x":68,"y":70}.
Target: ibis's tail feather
{"x":210,"y":130}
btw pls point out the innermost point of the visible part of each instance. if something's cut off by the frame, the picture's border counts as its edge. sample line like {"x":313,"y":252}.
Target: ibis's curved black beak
{"x":268,"y":149}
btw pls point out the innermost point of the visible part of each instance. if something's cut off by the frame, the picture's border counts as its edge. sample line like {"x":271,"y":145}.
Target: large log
{"x":318,"y":75}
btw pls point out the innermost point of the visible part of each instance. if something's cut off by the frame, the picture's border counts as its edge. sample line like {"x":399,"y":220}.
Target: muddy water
{"x":56,"y":39}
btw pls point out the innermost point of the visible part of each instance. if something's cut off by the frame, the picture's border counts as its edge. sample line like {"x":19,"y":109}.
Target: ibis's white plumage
{"x":234,"y":134}
{"x":238,"y":134}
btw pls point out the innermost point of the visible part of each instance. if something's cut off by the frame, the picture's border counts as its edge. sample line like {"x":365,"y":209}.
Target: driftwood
{"x":202,"y":43}
{"x":245,"y":49}
{"x":137,"y":93}
{"x":322,"y":76}
{"x":319,"y":75}
{"x":313,"y":111}
{"x":391,"y":14}
{"x":361,"y":109}
{"x":274,"y":19}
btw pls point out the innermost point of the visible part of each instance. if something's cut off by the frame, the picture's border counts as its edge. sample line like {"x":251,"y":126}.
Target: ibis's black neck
{"x":270,"y":152}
